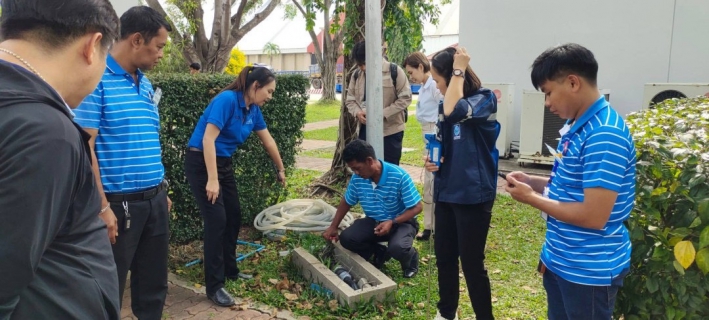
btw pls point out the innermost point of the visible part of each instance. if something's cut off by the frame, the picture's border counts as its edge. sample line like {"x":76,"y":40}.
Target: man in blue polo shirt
{"x":590,"y":193}
{"x":121,"y":116}
{"x":390,"y":202}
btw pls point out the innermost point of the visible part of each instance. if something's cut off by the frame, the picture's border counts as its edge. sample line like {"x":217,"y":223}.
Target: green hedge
{"x":669,"y":227}
{"x":184,"y":99}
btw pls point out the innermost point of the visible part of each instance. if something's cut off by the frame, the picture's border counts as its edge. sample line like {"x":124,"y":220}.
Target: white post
{"x":375,"y":97}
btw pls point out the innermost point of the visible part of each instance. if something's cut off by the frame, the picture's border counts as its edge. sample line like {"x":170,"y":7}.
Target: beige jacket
{"x":393,"y":107}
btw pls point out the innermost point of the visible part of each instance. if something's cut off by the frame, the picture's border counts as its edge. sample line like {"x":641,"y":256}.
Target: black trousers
{"x":461,"y":231}
{"x":392,"y":144}
{"x":222,"y":220}
{"x":143,"y":250}
{"x":360,"y":239}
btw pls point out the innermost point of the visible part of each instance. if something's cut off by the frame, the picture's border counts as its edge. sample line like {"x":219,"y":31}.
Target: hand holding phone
{"x":504,"y":176}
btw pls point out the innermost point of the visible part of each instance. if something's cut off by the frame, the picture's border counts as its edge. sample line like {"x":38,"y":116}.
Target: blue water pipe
{"x":257,"y":248}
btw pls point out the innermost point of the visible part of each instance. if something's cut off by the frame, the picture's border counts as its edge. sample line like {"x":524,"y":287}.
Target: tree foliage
{"x":233,"y":19}
{"x":237,"y":62}
{"x":403,"y":25}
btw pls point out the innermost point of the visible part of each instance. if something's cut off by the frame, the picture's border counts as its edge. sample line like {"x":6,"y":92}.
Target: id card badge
{"x":156,"y":97}
{"x":546,"y":195}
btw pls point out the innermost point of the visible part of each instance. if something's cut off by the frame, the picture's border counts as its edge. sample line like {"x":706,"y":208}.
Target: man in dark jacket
{"x":55,"y":256}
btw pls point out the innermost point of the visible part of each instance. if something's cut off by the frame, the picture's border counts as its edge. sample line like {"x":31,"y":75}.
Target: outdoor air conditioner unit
{"x":505,"y":99}
{"x":539,"y":128}
{"x":658,"y":92}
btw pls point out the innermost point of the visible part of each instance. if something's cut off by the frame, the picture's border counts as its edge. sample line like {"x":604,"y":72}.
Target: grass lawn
{"x":413,"y":139}
{"x":318,"y":111}
{"x":515,"y":237}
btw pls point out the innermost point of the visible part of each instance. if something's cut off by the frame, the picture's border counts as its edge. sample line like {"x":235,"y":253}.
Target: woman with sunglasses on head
{"x":225,"y":125}
{"x":465,"y":183}
{"x":419,"y":70}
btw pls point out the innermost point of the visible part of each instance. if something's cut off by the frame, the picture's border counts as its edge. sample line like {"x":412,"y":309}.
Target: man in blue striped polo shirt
{"x":590,"y":193}
{"x":390,"y":202}
{"x":121,"y":116}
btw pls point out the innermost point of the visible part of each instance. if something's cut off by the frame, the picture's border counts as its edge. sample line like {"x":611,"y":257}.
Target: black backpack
{"x":394,"y":72}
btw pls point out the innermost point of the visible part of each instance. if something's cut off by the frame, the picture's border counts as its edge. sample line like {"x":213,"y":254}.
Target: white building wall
{"x":633,"y":41}
{"x":122,"y":6}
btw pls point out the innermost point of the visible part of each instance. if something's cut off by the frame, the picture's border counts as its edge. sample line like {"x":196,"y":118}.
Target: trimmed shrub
{"x":183,"y":101}
{"x":669,"y":227}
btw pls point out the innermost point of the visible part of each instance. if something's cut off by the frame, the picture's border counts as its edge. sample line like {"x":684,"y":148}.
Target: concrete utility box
{"x":314,"y":271}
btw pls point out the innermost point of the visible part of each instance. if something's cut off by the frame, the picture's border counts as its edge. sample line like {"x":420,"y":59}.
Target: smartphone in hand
{"x":504,"y":176}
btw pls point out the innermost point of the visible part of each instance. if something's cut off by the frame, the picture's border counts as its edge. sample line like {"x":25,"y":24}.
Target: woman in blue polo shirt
{"x":226,"y":124}
{"x":465,"y":185}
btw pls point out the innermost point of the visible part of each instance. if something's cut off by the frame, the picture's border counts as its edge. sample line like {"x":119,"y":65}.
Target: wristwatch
{"x":458,"y":73}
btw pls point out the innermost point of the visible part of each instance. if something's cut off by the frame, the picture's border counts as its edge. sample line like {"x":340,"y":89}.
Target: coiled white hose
{"x":299,"y":215}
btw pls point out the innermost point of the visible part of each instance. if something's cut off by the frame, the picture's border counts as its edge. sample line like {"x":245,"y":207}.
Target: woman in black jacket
{"x":465,"y":183}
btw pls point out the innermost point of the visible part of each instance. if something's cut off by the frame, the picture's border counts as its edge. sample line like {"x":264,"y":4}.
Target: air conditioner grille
{"x":667,"y":94}
{"x":550,"y":132}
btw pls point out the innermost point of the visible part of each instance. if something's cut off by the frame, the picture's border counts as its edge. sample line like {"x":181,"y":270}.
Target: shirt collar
{"x":429,"y":82}
{"x":241,"y":101}
{"x":116,"y":68}
{"x":596,"y":107}
{"x":385,"y":173}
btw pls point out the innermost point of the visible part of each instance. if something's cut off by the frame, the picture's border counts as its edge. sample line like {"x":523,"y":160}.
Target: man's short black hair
{"x":563,"y":60}
{"x":144,"y":20}
{"x":195,"y":66}
{"x":56,"y":24}
{"x":358,"y":150}
{"x":359,"y":54}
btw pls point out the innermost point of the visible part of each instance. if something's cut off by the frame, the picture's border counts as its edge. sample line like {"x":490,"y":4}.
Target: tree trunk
{"x":339,"y":172}
{"x":328,"y":74}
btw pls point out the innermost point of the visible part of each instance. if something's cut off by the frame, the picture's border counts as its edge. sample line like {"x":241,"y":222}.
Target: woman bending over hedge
{"x":225,"y":125}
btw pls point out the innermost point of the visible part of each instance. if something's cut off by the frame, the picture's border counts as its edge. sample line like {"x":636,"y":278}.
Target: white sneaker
{"x":439,"y":317}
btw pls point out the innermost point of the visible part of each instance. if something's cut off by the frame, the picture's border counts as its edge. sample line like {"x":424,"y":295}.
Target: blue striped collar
{"x":596,"y":107}
{"x":116,"y":68}
{"x":385,"y":173}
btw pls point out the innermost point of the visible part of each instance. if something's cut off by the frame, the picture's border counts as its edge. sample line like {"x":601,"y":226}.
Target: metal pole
{"x":375,"y":96}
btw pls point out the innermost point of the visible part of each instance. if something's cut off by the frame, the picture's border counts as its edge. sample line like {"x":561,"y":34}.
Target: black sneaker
{"x":413,"y":268}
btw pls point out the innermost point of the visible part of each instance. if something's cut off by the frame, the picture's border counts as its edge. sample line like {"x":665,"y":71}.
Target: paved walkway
{"x":186,"y":302}
{"x":321,"y":125}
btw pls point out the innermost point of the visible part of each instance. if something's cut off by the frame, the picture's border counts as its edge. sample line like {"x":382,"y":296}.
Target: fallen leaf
{"x":528,"y":288}
{"x":424,"y":260}
{"x":409,"y":305}
{"x":496,"y":271}
{"x":420,"y":305}
{"x":243,"y":307}
{"x":197,"y":285}
{"x":380,"y":308}
{"x":290,"y":297}
{"x":273,"y":281}
{"x":460,"y":275}
{"x":179,"y":271}
{"x":333,"y":305}
{"x":392,"y":314}
{"x":494,"y":299}
{"x":283,"y":285}
{"x":307,"y":306}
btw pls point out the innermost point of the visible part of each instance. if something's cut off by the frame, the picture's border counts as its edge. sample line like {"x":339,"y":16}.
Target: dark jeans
{"x":222,"y":220}
{"x":360,"y":239}
{"x":568,"y":300}
{"x":392,"y":145}
{"x":461,"y":231}
{"x":143,"y":250}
